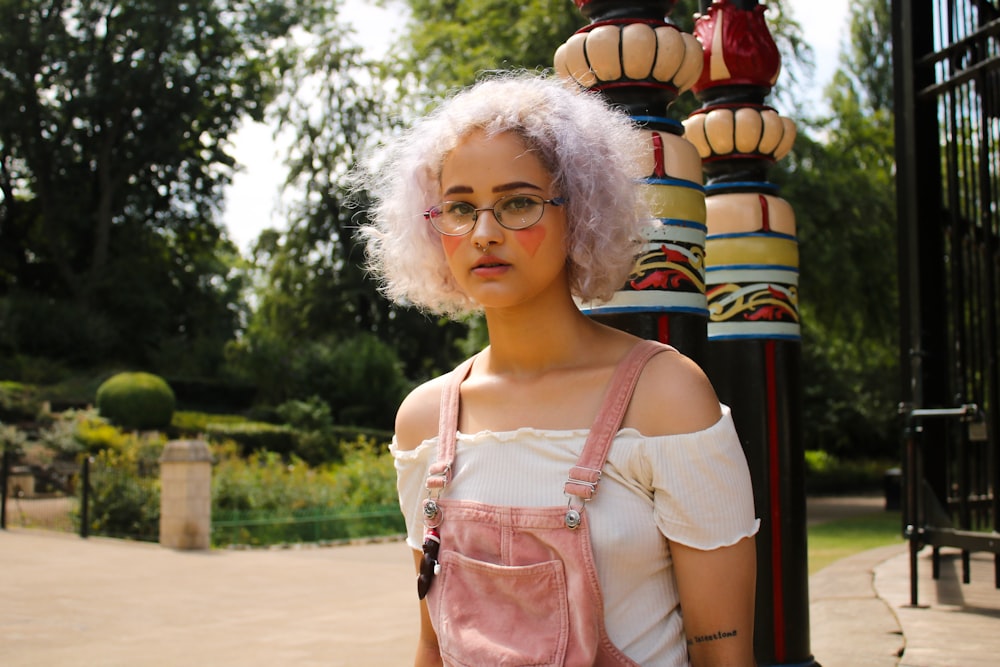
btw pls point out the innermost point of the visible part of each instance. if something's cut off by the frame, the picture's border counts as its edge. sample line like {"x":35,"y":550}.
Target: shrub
{"x":367,"y":476}
{"x":12,"y":440}
{"x":264,"y":499}
{"x":313,"y":421}
{"x":255,"y":437}
{"x":827,"y":474}
{"x":188,"y":424}
{"x":18,"y":402}
{"x":136,"y":401}
{"x":125,"y":490}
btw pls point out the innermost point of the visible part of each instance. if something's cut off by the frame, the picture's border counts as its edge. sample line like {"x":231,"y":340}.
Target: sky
{"x":253,"y":202}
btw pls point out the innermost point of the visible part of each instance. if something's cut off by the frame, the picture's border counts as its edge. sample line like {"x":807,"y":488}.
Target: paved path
{"x":860,"y":613}
{"x":108,"y":603}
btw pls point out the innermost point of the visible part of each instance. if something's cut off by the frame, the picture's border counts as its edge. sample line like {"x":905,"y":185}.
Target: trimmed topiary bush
{"x":136,"y":401}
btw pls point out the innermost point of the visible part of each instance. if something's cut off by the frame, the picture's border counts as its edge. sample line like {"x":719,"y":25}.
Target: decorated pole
{"x":752,"y":291}
{"x":718,"y":277}
{"x":641,"y":63}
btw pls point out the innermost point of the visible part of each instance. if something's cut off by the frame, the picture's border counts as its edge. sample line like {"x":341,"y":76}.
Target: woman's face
{"x":495,"y":266}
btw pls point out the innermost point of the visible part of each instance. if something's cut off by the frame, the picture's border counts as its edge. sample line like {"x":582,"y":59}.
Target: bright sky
{"x":252,"y":201}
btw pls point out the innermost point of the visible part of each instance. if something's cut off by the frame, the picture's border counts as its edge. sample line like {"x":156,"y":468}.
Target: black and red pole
{"x":752,"y":269}
{"x":718,"y":278}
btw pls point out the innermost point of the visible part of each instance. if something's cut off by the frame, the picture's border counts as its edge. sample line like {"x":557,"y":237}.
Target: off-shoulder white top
{"x":692,"y":488}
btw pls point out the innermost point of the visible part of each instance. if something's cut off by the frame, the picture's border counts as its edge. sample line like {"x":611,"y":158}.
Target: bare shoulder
{"x":673,"y":396}
{"x":417,"y":417}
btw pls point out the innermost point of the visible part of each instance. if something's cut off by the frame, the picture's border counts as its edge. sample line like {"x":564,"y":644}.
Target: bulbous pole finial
{"x":638,"y":61}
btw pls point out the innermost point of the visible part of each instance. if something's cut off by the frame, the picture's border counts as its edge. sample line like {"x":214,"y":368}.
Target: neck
{"x":533,"y":339}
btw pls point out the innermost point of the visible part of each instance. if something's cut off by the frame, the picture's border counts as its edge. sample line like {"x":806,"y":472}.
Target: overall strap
{"x":584,"y":476}
{"x":439,"y":473}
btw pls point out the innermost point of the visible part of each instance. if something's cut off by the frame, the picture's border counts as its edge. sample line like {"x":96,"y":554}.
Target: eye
{"x":519,"y":204}
{"x":459,"y":209}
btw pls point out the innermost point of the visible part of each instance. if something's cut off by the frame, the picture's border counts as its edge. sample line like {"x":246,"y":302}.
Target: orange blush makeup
{"x":531,"y":238}
{"x":450,"y":244}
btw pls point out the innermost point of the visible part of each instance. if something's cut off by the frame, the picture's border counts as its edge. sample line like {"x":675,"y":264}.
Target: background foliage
{"x":114,"y":129}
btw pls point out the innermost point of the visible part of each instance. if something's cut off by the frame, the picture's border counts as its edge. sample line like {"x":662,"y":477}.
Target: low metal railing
{"x":317,"y":525}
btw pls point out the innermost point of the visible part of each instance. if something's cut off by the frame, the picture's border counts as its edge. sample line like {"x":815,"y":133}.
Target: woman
{"x":517,"y":197}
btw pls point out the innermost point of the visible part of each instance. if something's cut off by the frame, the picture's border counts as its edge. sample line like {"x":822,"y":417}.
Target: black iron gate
{"x":947,"y":81}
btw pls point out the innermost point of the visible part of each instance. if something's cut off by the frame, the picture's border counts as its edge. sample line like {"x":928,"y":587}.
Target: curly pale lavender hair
{"x":590,"y":149}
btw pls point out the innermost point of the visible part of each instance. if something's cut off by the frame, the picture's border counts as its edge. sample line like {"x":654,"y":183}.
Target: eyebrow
{"x":504,"y":187}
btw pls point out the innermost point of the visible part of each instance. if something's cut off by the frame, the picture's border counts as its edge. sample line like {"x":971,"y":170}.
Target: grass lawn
{"x":833,"y":540}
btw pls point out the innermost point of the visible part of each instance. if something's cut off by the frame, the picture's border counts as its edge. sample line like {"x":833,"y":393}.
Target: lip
{"x":489,"y":265}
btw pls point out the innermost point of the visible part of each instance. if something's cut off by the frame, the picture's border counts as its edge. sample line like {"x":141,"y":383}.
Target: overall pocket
{"x":510,"y":616}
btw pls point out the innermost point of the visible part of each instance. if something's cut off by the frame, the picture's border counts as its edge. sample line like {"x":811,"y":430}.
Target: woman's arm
{"x":416,"y":421}
{"x":717,"y":590}
{"x":428,"y":654}
{"x":716,"y":586}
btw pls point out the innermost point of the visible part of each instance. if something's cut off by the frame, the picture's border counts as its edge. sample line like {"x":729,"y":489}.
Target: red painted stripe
{"x":659,"y":165}
{"x":765,"y":213}
{"x":777,"y":587}
{"x":663,"y":329}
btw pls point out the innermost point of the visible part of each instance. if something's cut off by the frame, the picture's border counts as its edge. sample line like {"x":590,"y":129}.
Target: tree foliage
{"x":114,"y":124}
{"x":843,"y":190}
{"x":452,"y":41}
{"x":319,"y":327}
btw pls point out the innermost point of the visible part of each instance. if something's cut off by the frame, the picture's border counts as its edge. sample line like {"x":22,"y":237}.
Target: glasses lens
{"x":456,"y":217}
{"x":519,"y":211}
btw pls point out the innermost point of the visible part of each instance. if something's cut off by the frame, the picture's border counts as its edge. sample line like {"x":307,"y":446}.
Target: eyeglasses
{"x":514,"y":212}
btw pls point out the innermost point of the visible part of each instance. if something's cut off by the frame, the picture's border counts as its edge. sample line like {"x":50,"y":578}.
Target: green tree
{"x":114,"y":121}
{"x":843,"y":190}
{"x":313,"y":287}
{"x":452,"y":42}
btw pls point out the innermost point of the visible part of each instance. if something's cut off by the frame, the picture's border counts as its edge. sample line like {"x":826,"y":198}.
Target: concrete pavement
{"x":860,"y":612}
{"x":108,"y":603}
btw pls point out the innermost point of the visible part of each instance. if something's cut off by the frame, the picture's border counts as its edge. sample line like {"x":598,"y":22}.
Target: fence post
{"x":85,"y":497}
{"x":4,"y":471}
{"x":185,"y":495}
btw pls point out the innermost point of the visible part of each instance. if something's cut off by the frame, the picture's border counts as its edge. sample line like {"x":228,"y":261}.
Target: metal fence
{"x":122,"y":500}
{"x":322,"y":525}
{"x":947,"y":78}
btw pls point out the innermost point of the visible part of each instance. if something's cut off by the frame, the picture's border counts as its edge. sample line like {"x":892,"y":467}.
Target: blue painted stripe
{"x":678,"y":182}
{"x":619,"y":310}
{"x":785,"y":337}
{"x":678,"y":222}
{"x":659,"y":120}
{"x":743,"y":186}
{"x":744,"y":235}
{"x":753,"y":267}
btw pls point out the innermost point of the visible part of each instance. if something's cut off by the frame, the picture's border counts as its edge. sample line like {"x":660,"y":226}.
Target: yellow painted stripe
{"x":756,"y":250}
{"x":671,"y":201}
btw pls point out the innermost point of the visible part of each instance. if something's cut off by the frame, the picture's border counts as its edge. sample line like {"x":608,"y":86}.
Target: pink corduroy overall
{"x":517,"y":585}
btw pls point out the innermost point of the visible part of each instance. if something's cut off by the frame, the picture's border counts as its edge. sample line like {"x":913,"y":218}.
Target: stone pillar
{"x":186,"y":495}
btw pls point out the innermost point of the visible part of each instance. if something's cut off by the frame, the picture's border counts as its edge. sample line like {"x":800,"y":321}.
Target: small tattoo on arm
{"x":715,"y":636}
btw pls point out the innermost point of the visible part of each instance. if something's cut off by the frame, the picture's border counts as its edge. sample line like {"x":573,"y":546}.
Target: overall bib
{"x":518,"y":585}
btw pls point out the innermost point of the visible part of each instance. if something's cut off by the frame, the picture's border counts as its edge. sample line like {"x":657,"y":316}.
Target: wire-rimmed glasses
{"x":514,"y":212}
